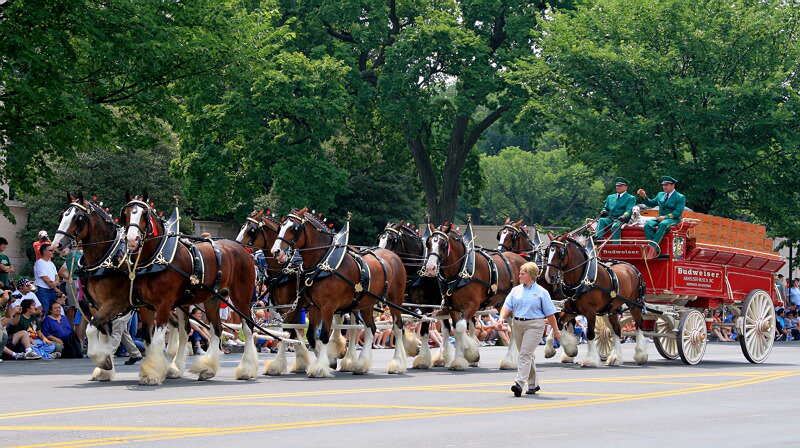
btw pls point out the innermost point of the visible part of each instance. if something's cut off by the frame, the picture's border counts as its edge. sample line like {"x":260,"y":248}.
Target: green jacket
{"x":620,"y":207}
{"x":672,"y":208}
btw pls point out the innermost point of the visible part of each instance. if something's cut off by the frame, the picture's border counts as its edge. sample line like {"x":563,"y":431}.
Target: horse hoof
{"x":174,"y":374}
{"x":203,"y":376}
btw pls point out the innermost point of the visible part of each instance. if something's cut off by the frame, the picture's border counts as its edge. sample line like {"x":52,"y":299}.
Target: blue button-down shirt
{"x":529,"y":303}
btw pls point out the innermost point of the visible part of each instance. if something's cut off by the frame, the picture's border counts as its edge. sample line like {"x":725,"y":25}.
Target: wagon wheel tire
{"x":666,"y":347}
{"x":603,"y":337}
{"x":692,"y":337}
{"x":756,"y":326}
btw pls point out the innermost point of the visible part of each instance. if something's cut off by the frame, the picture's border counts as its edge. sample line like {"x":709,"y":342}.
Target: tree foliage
{"x":78,"y":75}
{"x":704,"y":91}
{"x":544,"y":187}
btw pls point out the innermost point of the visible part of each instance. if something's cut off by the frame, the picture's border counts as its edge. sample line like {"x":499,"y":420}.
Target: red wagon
{"x":705,"y":262}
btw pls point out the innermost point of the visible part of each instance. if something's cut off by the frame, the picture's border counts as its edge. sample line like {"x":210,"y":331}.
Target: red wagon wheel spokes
{"x":693,"y":337}
{"x":757,"y":326}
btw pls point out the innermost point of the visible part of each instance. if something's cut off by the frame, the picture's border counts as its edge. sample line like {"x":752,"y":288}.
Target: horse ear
{"x":70,"y":198}
{"x":551,"y":236}
{"x":128,"y":196}
{"x":303,"y":211}
{"x":431,"y":229}
{"x":80,"y":197}
{"x":518,"y":223}
{"x":144,"y":196}
{"x":508,"y":220}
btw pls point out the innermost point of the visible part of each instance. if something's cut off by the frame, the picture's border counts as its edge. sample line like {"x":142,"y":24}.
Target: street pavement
{"x":723,"y":401}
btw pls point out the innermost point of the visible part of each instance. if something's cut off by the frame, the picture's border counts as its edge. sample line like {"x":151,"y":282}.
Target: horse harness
{"x":466,"y":274}
{"x":588,"y":279}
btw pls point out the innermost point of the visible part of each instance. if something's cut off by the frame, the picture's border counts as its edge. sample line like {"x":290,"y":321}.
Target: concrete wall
{"x":216,"y":229}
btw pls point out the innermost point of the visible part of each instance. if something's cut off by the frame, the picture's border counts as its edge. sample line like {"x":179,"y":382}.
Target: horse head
{"x":76,"y":224}
{"x":389,"y":238}
{"x":564,"y":256}
{"x":252,"y":228}
{"x":512,"y":238}
{"x":138,"y":219}
{"x":442,"y":246}
{"x":291,"y":235}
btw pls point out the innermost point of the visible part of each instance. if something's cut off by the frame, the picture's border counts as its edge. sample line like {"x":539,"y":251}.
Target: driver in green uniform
{"x":670,"y":208}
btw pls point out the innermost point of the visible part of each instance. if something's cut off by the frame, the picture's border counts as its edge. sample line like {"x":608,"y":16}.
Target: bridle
{"x":514,"y":237}
{"x":297,"y":228}
{"x":81,"y":219}
{"x":148,"y":227}
{"x":392,"y":237}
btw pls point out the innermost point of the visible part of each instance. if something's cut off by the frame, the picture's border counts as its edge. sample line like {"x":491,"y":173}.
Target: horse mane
{"x":101,"y":211}
{"x":316,"y":222}
{"x":269,"y":217}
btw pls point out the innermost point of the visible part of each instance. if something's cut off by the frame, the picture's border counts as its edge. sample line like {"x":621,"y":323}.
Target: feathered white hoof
{"x":205,"y":368}
{"x":302,"y":359}
{"x":549,"y":351}
{"x":276,"y":367}
{"x":459,"y":364}
{"x":566,"y":359}
{"x":508,"y":364}
{"x":613,"y":360}
{"x":397,"y":367}
{"x":411,"y":343}
{"x":439,"y":361}
{"x":640,"y":357}
{"x":589,"y":362}
{"x":471,"y":353}
{"x":320,"y":370}
{"x":246,"y":371}
{"x":173,"y":373}
{"x":422,"y":362}
{"x":102,"y":375}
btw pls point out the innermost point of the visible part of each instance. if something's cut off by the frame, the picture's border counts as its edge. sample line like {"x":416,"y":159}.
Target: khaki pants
{"x":527,"y":335}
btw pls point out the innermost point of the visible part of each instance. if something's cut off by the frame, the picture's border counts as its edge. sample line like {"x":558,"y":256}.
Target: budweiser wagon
{"x":705,"y":262}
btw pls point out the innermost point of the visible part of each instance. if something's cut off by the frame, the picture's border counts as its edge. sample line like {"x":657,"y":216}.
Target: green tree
{"x":255,"y":129}
{"x":78,"y":75}
{"x":544,"y":187}
{"x":106,"y":175}
{"x":430,"y":71}
{"x":704,"y":91}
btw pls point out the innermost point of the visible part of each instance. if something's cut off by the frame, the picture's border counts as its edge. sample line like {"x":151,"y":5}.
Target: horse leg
{"x":411,"y":343}
{"x":176,"y":347}
{"x":460,"y":333}
{"x":365,"y":359}
{"x":337,"y":344}
{"x":277,"y":366}
{"x":398,"y":362}
{"x":509,"y":362}
{"x":446,"y":352}
{"x":321,"y":367}
{"x":155,"y":365}
{"x":423,"y":360}
{"x":615,"y":358}
{"x":350,"y":356}
{"x":592,"y":358}
{"x":248,"y":367}
{"x":208,"y":365}
{"x":100,"y":344}
{"x":471,"y":347}
{"x":569,"y":342}
{"x":640,"y":352}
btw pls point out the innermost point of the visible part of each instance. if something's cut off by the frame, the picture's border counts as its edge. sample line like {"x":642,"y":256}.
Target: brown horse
{"x":471,"y":280}
{"x":514,"y":237}
{"x":171,"y":272}
{"x":337,"y":280}
{"x":595,"y":289}
{"x":87,"y":225}
{"x":260,"y":231}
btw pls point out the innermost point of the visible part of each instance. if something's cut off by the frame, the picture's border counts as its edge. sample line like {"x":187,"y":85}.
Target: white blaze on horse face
{"x":503,"y":235}
{"x":240,"y":236}
{"x":133,"y":235}
{"x":547,"y":275}
{"x":432,"y":264}
{"x":383,"y":241}
{"x":66,"y":220}
{"x":277,"y":252}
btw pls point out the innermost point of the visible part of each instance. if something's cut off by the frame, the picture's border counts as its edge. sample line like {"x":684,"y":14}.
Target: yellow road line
{"x":183,"y":433}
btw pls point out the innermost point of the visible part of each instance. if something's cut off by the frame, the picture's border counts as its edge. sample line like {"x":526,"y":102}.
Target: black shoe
{"x":532,"y":391}
{"x":133,"y":360}
{"x":517,"y":390}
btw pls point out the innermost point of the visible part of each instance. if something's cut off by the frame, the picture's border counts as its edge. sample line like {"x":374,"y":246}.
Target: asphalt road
{"x":723,"y":401}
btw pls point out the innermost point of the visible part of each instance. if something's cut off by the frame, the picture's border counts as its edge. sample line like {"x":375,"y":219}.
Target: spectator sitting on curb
{"x":25,"y":325}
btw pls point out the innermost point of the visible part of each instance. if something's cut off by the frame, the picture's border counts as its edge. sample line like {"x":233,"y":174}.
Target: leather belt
{"x":523,"y":319}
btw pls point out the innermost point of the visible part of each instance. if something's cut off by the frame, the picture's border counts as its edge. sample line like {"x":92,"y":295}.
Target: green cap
{"x":668,"y":180}
{"x":620,"y":181}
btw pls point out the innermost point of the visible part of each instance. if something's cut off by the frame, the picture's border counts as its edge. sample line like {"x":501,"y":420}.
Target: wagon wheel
{"x":692,"y":337}
{"x":756,"y":326}
{"x":603,"y":337}
{"x":666,"y":347}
